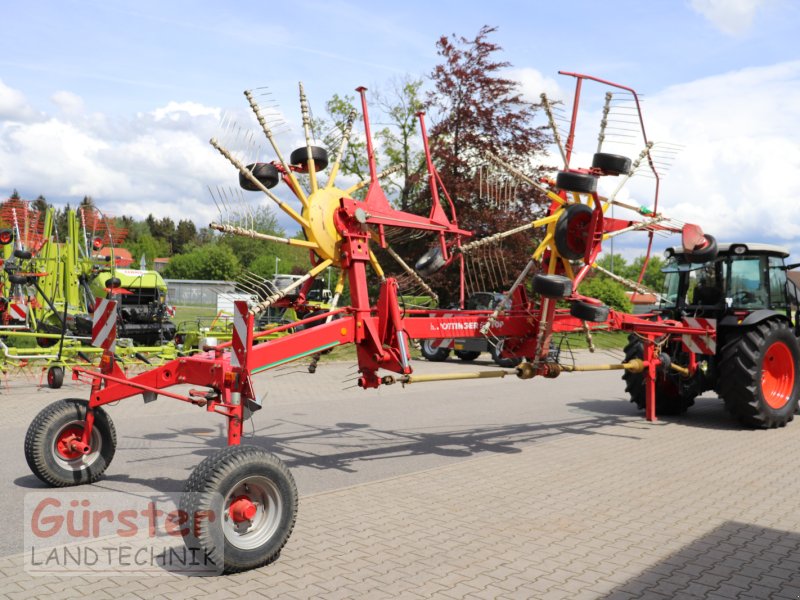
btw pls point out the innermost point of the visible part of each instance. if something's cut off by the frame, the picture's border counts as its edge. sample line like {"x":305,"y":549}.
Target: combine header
{"x":240,"y":503}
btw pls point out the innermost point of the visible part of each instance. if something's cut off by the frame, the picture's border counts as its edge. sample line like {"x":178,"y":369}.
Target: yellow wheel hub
{"x":321,"y":230}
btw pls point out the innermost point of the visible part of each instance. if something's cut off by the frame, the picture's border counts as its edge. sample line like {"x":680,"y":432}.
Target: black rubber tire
{"x":467,"y":355}
{"x":741,"y":373}
{"x":503,"y":362}
{"x":585,"y":311}
{"x":576,"y":182}
{"x":113,"y":283}
{"x":44,"y":342}
{"x":433,"y":354}
{"x":266,"y":173}
{"x":60,"y":471}
{"x":430,"y":262}
{"x":299,"y":158}
{"x":208,"y":492}
{"x":611,"y":164}
{"x":669,"y":400}
{"x":571,"y":231}
{"x":552,"y":286}
{"x":17,"y":279}
{"x":6,"y":236}
{"x":22,"y":254}
{"x":706,"y":254}
{"x":55,"y":377}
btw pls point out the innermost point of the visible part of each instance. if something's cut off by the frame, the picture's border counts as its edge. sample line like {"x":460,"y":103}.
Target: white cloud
{"x":533,"y":84}
{"x":69,"y":103}
{"x":14,"y":106}
{"x":733,"y":17}
{"x":737,"y":174}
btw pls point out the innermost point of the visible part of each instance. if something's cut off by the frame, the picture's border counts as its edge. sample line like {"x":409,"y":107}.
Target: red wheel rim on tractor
{"x":777,"y":375}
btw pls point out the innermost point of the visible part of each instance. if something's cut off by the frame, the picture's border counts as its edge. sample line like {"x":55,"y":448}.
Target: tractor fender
{"x":757,"y":316}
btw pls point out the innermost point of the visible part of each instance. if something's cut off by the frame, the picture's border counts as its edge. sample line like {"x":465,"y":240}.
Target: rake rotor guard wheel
{"x":266,"y":173}
{"x":17,"y":279}
{"x":430,"y":262}
{"x":242,"y":505}
{"x":572,"y":231}
{"x":576,"y":182}
{"x":504,"y":362}
{"x":586,"y":311}
{"x":55,"y":377}
{"x":705,"y":254}
{"x":552,"y":286}
{"x":114,"y":282}
{"x":299,"y":158}
{"x":433,"y":354}
{"x":611,"y":164}
{"x":669,"y":399}
{"x":49,"y":448}
{"x":22,"y":254}
{"x":758,"y":374}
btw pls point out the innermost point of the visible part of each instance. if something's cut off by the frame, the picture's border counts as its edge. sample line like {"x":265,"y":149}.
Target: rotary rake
{"x":239,"y":505}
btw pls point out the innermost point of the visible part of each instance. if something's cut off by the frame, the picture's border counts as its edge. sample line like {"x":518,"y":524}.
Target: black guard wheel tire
{"x":22,"y":254}
{"x":113,"y":283}
{"x":265,"y":173}
{"x":594,"y":313}
{"x":669,"y":399}
{"x":502,"y":361}
{"x":241,"y":503}
{"x":430,"y":262}
{"x":758,"y":374}
{"x":571,"y":232}
{"x":705,"y":254}
{"x":576,"y":182}
{"x":611,"y":164}
{"x":55,"y":377}
{"x":17,"y":279}
{"x":432,"y":353}
{"x":299,"y":158}
{"x":46,"y":449}
{"x":552,"y":286}
{"x":466,"y":355}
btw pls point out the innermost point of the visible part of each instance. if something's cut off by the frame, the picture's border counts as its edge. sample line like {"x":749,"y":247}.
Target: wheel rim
{"x":577,"y":231}
{"x":777,"y":375}
{"x":427,"y":345}
{"x":70,"y":459}
{"x":253,"y":512}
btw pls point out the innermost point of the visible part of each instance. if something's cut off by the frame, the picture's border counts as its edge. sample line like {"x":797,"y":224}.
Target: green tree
{"x":339,"y":109}
{"x":608,"y":291}
{"x":185,"y":234}
{"x":145,"y":244}
{"x":210,"y":262}
{"x":401,"y":107}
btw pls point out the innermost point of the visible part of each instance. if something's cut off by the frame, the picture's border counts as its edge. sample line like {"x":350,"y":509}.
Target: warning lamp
{"x":97,"y":243}
{"x":6,"y":236}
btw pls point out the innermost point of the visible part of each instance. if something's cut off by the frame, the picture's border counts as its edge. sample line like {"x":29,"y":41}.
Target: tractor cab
{"x":742,"y":279}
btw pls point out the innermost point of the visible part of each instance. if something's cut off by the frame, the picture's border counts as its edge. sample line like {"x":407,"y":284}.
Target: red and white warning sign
{"x":700,"y":344}
{"x":240,"y":331}
{"x":18,"y":311}
{"x":104,"y":324}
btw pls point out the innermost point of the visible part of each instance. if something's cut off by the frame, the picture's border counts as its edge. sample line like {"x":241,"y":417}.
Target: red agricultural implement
{"x":248,"y":492}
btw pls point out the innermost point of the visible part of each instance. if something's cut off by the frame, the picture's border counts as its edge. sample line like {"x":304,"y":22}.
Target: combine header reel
{"x":241,"y":502}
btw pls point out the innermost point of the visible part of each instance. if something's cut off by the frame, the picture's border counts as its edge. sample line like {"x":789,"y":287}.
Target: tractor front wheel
{"x":758,"y":374}
{"x":241,"y":503}
{"x":50,"y":444}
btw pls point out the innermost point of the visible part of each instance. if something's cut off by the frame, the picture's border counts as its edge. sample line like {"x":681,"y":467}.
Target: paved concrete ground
{"x":476,"y":489}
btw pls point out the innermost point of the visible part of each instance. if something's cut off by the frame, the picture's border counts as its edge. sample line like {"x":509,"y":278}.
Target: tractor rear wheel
{"x":48,"y":448}
{"x":669,"y":399}
{"x":758,"y":374}
{"x":242,"y":504}
{"x":433,"y":353}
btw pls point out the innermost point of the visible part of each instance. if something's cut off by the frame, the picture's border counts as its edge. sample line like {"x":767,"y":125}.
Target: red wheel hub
{"x":65,"y":439}
{"x":777,"y":375}
{"x":578,"y":231}
{"x":242,"y":509}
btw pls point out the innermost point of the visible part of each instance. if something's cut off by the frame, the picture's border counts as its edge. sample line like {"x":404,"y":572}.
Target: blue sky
{"x":118,"y":99}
